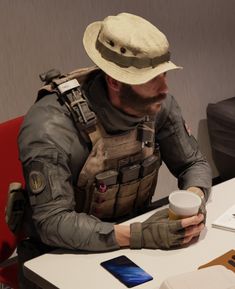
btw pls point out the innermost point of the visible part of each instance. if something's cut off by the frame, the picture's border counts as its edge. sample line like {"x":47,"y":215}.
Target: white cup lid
{"x":184,"y":202}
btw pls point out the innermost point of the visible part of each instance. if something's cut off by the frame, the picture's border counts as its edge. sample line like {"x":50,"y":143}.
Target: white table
{"x":70,"y":270}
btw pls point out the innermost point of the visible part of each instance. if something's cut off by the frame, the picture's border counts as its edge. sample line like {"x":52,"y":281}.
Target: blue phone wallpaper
{"x":126,"y":271}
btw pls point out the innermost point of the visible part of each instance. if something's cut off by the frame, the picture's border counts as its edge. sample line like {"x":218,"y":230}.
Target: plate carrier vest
{"x":120,"y":174}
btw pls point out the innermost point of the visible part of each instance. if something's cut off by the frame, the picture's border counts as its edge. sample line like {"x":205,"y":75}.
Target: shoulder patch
{"x":37,"y":182}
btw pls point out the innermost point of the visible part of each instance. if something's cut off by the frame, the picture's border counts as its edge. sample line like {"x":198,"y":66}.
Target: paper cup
{"x":183,"y":204}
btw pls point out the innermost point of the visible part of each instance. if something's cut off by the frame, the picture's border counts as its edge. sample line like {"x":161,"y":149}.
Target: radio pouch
{"x":15,"y":207}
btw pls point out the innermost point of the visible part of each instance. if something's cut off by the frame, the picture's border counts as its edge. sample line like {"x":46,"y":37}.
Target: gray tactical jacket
{"x":53,"y":152}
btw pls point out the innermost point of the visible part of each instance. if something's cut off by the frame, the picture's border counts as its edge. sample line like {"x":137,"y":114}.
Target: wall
{"x":38,"y":35}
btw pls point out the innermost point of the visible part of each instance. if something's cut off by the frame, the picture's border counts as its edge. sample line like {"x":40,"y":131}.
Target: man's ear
{"x":112,"y":83}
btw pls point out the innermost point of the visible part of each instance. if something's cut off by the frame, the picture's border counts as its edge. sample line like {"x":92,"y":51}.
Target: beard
{"x":142,"y":106}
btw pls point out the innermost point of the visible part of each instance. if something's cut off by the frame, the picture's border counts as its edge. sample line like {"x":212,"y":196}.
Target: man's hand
{"x":192,"y":227}
{"x":200,"y":193}
{"x":160,"y":232}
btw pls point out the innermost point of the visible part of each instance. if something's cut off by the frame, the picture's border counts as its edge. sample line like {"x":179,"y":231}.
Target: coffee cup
{"x":183,"y":204}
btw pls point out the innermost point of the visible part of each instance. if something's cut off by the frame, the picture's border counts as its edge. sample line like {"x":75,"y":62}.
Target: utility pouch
{"x":149,"y":165}
{"x":130,"y":173}
{"x":104,"y":194}
{"x":107,"y":178}
{"x":15,"y":207}
{"x":126,"y":198}
{"x":145,"y":190}
{"x":149,"y":174}
{"x":104,"y":198}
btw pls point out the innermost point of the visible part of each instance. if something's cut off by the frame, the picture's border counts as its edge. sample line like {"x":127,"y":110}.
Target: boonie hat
{"x":128,"y":48}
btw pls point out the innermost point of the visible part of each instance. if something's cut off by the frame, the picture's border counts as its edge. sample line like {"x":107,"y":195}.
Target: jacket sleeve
{"x":179,"y":149}
{"x":47,"y":166}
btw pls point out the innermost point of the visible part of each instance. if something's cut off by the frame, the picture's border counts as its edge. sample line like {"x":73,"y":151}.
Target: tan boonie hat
{"x":128,"y":48}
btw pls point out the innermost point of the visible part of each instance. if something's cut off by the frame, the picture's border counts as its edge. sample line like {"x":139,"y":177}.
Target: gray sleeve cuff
{"x":103,"y":238}
{"x":136,"y":236}
{"x":79,"y":232}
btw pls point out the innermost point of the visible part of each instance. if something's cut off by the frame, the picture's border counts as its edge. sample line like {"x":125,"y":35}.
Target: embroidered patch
{"x":37,"y":182}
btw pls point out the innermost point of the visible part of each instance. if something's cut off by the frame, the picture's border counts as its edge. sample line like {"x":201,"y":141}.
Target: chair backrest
{"x":221,"y":124}
{"x":10,"y":171}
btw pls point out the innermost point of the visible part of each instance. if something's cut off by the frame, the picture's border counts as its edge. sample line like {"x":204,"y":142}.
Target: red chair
{"x":10,"y":171}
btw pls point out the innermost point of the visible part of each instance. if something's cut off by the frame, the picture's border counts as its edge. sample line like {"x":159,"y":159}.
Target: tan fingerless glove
{"x":157,"y":232}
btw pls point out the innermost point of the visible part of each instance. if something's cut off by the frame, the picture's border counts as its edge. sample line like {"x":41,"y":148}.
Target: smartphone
{"x":126,"y":271}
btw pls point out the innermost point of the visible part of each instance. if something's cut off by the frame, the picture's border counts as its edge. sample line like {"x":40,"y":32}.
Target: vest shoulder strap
{"x":68,"y":89}
{"x":53,"y":76}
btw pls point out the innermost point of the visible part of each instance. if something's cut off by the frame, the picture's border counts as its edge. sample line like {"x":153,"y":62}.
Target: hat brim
{"x":129,"y":75}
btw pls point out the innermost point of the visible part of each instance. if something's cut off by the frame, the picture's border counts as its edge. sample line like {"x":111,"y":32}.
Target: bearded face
{"x":139,"y":104}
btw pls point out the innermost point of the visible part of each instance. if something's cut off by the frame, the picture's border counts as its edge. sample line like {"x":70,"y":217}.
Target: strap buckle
{"x":82,"y":114}
{"x":71,"y":94}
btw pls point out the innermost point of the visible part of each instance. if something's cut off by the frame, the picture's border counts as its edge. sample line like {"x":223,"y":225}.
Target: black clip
{"x":70,"y":93}
{"x":82,"y":114}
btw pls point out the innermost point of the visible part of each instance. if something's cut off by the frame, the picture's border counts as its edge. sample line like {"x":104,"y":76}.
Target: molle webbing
{"x":120,"y":173}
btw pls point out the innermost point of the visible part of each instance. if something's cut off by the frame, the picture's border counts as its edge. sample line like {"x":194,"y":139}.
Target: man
{"x":91,"y":154}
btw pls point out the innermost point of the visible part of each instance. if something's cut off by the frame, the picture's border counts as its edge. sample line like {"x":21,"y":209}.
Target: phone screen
{"x":126,"y":271}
